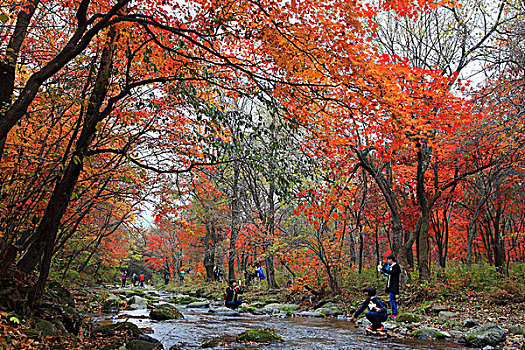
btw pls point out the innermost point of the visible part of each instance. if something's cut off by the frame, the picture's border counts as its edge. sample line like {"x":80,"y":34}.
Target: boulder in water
{"x":263,"y":335}
{"x":165,"y":313}
{"x":487,"y":334}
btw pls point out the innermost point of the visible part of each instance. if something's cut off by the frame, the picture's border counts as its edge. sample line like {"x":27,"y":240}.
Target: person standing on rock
{"x":135,"y":279}
{"x":142,"y":278}
{"x":377,"y":313}
{"x":124,"y":275}
{"x":231,"y":294}
{"x":392,"y":285}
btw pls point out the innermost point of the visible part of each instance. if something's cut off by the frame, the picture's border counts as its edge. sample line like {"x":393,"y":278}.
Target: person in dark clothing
{"x":135,"y":279}
{"x":124,"y":276}
{"x":166,"y":278}
{"x":377,"y":313}
{"x":231,"y":294}
{"x":392,"y":285}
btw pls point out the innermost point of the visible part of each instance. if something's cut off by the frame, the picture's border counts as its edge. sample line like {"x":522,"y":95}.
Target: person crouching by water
{"x":231,"y":294}
{"x":377,"y":313}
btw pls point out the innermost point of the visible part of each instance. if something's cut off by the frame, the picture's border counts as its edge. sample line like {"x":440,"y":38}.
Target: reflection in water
{"x":199,"y":325}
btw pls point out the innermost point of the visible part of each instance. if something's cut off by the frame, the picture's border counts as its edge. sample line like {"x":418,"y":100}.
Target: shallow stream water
{"x":200,"y":325}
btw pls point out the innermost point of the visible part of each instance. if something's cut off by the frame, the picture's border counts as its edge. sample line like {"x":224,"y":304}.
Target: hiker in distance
{"x":377,"y":313}
{"x":392,"y":284}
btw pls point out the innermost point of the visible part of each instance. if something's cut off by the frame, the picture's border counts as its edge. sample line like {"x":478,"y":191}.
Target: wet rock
{"x":263,"y":335}
{"x":183,"y":299}
{"x":470,"y":322}
{"x":111,"y":304}
{"x":198,"y":305}
{"x":276,"y":307}
{"x":487,"y":334}
{"x":165,"y":313}
{"x":136,"y":302}
{"x":137,"y":292}
{"x":447,"y":315}
{"x":430,"y":333}
{"x":210,"y":344}
{"x":259,"y":304}
{"x":109,"y":329}
{"x":137,"y":344}
{"x":330,"y":310}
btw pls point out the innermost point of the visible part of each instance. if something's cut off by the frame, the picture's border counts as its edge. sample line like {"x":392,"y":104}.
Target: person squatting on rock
{"x":377,"y":313}
{"x":231,"y":294}
{"x":392,"y":284}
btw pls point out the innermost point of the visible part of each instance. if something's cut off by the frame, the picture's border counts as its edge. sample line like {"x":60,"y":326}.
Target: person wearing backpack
{"x":392,"y":284}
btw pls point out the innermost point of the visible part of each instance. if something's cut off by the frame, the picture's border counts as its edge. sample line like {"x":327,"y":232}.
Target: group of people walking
{"x":137,"y":279}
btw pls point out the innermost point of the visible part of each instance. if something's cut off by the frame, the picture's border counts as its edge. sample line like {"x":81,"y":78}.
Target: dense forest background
{"x":313,"y":137}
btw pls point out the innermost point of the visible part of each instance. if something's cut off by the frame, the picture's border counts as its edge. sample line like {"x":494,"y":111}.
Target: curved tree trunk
{"x":44,"y":240}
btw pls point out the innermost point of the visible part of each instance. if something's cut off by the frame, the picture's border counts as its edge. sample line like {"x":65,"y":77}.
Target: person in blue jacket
{"x":377,"y":313}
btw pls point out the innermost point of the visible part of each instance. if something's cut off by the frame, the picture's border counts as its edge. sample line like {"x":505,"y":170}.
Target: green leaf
{"x":4,"y":18}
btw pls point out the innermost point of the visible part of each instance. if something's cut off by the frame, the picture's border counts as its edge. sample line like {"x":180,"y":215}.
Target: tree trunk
{"x":44,"y":240}
{"x":423,"y":159}
{"x":209,"y":249}
{"x":235,"y":222}
{"x":272,"y":283}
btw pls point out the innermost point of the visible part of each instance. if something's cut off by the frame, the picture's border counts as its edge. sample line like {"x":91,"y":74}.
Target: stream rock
{"x":276,"y":308}
{"x":309,"y":313}
{"x":430,"y":333}
{"x":136,"y":302}
{"x":165,"y":312}
{"x":470,"y":322}
{"x":487,"y":334}
{"x":111,"y":304}
{"x":183,"y":299}
{"x":135,"y":339}
{"x":330,"y":309}
{"x":263,"y":335}
{"x":198,"y":305}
